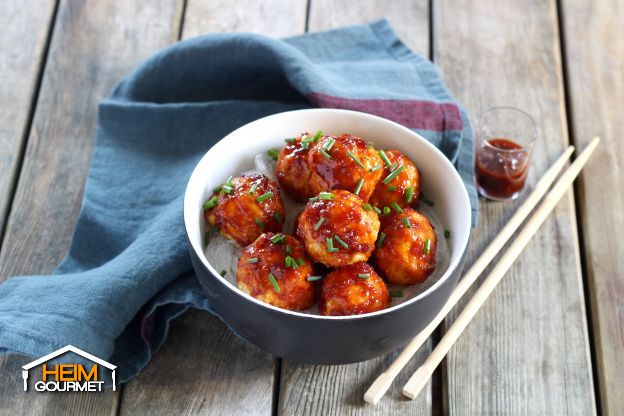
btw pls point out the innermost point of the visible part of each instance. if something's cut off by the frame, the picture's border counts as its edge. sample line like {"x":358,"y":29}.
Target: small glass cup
{"x":505,"y":138}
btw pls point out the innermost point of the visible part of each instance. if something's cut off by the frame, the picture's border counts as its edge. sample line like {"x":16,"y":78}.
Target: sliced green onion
{"x":427,"y":246}
{"x":409,"y":194}
{"x":394,"y":174}
{"x":377,"y":210}
{"x":386,"y":210}
{"x":227,"y":189}
{"x":229,"y":181}
{"x":253,"y":188}
{"x":407,"y":223}
{"x":447,"y":234}
{"x":381,"y":239}
{"x":259,"y":223}
{"x":278,"y":239}
{"x":313,"y":278}
{"x":364,"y":275}
{"x":391,"y":188}
{"x":369,"y":145}
{"x":318,"y":135}
{"x":278,"y":217}
{"x":253,"y":260}
{"x":397,"y":208}
{"x":383,"y":156}
{"x":287,"y":261}
{"x":330,"y":245}
{"x":308,"y":139}
{"x":211,"y":203}
{"x":396,"y":293}
{"x":325,"y":154}
{"x":426,"y":201}
{"x":330,"y":143}
{"x":293,"y":264}
{"x":326,"y":195}
{"x":358,"y":187}
{"x":375,"y":168}
{"x":318,"y":224}
{"x":206,"y":238}
{"x":341,"y":242}
{"x":367,"y":207}
{"x":223,"y":273}
{"x":291,"y":140}
{"x":264,"y":197}
{"x":300,"y":261}
{"x":355,"y":159}
{"x":273,"y":153}
{"x":274,"y":283}
{"x":216,"y":190}
{"x":305,"y":145}
{"x":288,"y":249}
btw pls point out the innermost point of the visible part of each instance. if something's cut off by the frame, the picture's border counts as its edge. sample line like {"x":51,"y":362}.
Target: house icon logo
{"x":69,"y":377}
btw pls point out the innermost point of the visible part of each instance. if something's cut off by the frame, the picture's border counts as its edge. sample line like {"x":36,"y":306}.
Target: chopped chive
{"x":206,"y":238}
{"x":278,"y":217}
{"x":391,"y":188}
{"x":381,"y":239}
{"x":377,"y":210}
{"x":330,"y":143}
{"x":293,"y":264}
{"x":227,"y":189}
{"x":223,"y":273}
{"x":253,"y":260}
{"x":427,"y":246}
{"x":229,"y":181}
{"x":393,"y":166}
{"x":375,"y":168}
{"x":211,"y":203}
{"x":264,"y":197}
{"x":367,"y":207}
{"x":300,"y":261}
{"x":313,"y":278}
{"x":358,"y":187}
{"x":318,"y":135}
{"x":308,"y":139}
{"x":259,"y":223}
{"x":341,"y":242}
{"x":355,"y":159}
{"x":326,"y":195}
{"x":386,"y":210}
{"x":426,"y":201}
{"x":447,"y":234}
{"x":325,"y":154}
{"x":369,"y":145}
{"x":330,"y":245}
{"x":253,"y":188}
{"x":305,"y":145}
{"x":291,"y":140}
{"x":288,"y":249}
{"x":318,"y":224}
{"x":364,"y":275}
{"x":287,"y":261}
{"x":394,"y":174}
{"x":278,"y":239}
{"x":409,"y":194}
{"x":383,"y":156}
{"x":216,"y":190}
{"x":396,"y":293}
{"x":273,"y":153}
{"x":407,"y":223}
{"x":274,"y":283}
{"x":397,"y":208}
{"x":314,"y":198}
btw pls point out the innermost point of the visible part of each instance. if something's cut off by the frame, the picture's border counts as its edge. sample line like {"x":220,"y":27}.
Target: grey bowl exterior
{"x":321,"y":341}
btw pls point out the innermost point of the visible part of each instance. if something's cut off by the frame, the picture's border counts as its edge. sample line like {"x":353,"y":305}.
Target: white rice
{"x":223,"y":254}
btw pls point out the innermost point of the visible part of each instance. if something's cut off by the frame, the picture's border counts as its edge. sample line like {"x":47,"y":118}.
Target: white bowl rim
{"x":447,"y":274}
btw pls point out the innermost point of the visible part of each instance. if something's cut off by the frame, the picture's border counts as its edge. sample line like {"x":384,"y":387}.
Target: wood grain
{"x":526,"y":352}
{"x":94,"y":44}
{"x":328,"y":390}
{"x":203,"y":368}
{"x":594,"y":46}
{"x":22,"y":56}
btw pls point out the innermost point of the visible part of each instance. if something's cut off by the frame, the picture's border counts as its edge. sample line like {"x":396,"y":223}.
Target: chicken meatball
{"x":292,"y":169}
{"x":345,"y":162}
{"x":245,"y":207}
{"x":337,"y":229}
{"x":353,"y":290}
{"x":402,"y":188}
{"x":275,"y":270}
{"x":406,"y":248}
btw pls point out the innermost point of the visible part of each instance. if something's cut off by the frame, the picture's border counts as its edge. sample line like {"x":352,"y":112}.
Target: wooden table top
{"x":550,"y":340}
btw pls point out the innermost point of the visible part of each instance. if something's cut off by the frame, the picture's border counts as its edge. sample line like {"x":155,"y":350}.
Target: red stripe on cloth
{"x":414,"y":114}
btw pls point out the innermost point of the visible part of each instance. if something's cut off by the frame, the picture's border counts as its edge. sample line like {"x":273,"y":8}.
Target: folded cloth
{"x":128,"y":274}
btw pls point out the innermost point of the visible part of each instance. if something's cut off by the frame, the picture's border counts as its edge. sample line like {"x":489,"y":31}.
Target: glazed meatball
{"x":275,"y":269}
{"x":345,"y":162}
{"x":337,"y":229}
{"x":245,"y":207}
{"x":406,"y":248}
{"x":402,"y":188}
{"x":292,"y":169}
{"x":353,"y":290}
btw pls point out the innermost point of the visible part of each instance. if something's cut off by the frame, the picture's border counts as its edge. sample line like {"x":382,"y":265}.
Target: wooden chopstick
{"x":379,"y":387}
{"x":420,"y":378}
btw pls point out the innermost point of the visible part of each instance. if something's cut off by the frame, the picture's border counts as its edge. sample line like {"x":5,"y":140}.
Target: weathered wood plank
{"x":527,"y":350}
{"x":313,"y":389}
{"x":203,"y":368}
{"x":594,"y":46}
{"x":94,"y":44}
{"x":22,"y":47}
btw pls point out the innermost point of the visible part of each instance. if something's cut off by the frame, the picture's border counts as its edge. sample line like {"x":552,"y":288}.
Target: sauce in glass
{"x":501,"y":168}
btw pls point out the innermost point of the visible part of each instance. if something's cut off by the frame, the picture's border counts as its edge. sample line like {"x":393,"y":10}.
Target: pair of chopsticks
{"x":420,"y":378}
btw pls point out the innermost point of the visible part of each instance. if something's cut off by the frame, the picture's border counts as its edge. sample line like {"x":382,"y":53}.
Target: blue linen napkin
{"x":128,"y":274}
